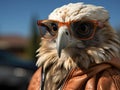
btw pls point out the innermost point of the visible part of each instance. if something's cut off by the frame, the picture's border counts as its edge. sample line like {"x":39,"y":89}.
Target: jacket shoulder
{"x":109,"y":79}
{"x":99,"y":77}
{"x":35,"y":80}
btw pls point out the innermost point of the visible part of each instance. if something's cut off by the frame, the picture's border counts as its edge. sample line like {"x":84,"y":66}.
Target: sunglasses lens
{"x":43,"y":30}
{"x":83,"y":30}
{"x":48,"y":27}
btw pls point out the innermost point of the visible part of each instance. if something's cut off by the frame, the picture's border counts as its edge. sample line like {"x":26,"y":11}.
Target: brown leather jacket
{"x":105,"y":76}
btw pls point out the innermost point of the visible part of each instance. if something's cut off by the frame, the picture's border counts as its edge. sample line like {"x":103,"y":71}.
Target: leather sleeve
{"x":100,"y":77}
{"x":35,"y":80}
{"x":110,"y":80}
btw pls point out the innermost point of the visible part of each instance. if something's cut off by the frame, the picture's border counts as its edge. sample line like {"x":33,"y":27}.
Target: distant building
{"x":14,"y":44}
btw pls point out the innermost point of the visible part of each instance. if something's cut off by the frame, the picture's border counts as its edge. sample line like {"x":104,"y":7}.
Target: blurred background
{"x":19,"y":36}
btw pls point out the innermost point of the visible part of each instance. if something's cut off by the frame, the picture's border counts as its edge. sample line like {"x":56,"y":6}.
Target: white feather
{"x":77,"y":11}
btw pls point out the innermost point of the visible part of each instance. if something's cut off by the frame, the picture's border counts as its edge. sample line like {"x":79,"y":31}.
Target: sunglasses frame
{"x":96,"y":24}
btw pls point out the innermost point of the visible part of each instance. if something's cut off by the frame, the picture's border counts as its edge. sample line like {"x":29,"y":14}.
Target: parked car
{"x":15,"y":73}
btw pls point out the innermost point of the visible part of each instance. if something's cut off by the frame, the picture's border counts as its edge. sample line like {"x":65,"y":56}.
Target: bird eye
{"x":83,"y":30}
{"x":54,"y":27}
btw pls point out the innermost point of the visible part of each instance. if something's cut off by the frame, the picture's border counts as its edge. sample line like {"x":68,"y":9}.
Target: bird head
{"x":79,"y":31}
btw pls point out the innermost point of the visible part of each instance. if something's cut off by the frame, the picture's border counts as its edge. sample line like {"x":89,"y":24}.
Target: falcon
{"x":79,"y":50}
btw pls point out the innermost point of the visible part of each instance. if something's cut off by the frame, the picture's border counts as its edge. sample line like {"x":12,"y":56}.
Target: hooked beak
{"x":63,"y":39}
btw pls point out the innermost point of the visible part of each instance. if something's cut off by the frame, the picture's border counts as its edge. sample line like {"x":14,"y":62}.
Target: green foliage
{"x":34,"y":39}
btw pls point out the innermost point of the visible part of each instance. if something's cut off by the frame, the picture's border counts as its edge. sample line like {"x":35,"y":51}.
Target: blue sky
{"x":15,"y":15}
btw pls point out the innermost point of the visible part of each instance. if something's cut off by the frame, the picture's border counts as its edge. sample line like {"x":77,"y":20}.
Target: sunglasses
{"x":83,"y":29}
